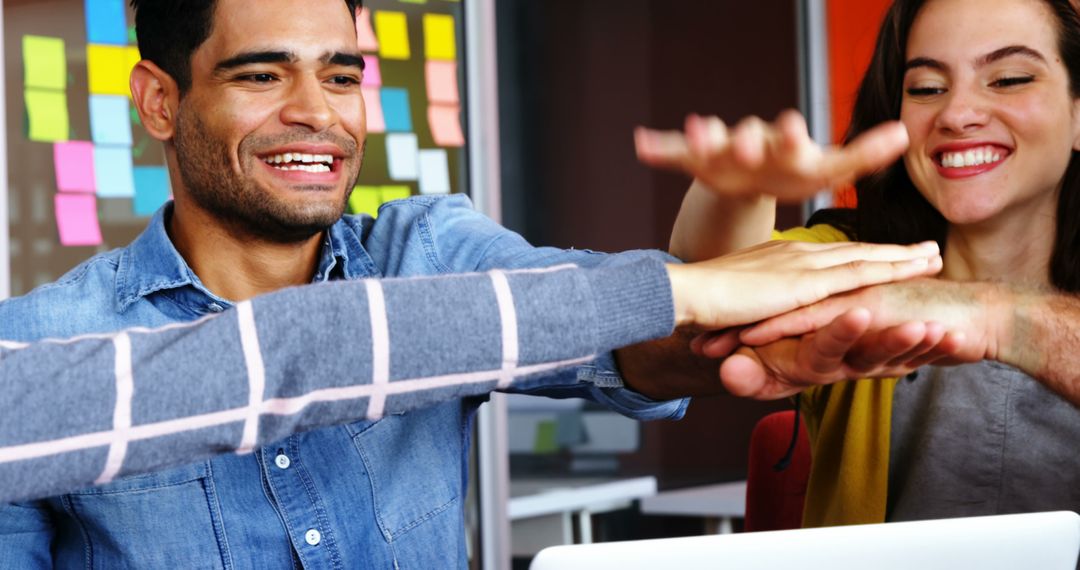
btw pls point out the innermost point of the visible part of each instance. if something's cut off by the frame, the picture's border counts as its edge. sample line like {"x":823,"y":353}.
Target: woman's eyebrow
{"x":1009,"y":51}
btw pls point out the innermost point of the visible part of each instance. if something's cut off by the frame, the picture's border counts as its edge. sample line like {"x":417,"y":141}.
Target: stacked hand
{"x":882,"y":331}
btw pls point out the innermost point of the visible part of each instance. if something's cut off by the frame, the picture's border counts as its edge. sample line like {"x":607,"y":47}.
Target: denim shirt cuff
{"x":610,"y":390}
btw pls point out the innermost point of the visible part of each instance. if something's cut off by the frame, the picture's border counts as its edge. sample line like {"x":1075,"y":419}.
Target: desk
{"x":542,"y":510}
{"x":719,"y":504}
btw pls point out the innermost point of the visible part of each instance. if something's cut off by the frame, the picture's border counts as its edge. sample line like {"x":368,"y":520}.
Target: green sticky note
{"x":47,"y":114}
{"x":545,"y":437}
{"x":365,"y":200}
{"x":391,"y":193}
{"x":44,"y":62}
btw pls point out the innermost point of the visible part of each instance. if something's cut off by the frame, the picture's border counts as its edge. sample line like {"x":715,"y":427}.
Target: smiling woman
{"x":988,"y":93}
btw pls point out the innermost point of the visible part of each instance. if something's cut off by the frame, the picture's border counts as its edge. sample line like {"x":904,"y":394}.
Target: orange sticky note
{"x":365,"y":35}
{"x":445,"y":125}
{"x":442,"y":82}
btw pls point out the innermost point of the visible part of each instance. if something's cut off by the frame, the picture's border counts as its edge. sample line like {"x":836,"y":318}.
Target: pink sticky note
{"x":442,"y":82}
{"x":372,"y":73}
{"x":365,"y":34}
{"x":74,"y":162}
{"x":376,"y":123}
{"x":446,"y":125}
{"x":77,"y":219}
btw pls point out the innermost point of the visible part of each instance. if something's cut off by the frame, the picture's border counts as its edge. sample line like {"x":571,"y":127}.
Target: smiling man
{"x":258,"y":105}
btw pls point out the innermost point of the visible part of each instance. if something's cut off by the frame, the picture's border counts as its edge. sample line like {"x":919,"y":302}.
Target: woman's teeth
{"x":300,"y":161}
{"x":971,"y":157}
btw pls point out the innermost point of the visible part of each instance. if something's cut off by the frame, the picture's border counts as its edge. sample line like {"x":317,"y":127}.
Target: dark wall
{"x":576,"y":76}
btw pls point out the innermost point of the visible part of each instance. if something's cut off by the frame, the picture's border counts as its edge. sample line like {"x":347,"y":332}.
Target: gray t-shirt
{"x":981,"y":439}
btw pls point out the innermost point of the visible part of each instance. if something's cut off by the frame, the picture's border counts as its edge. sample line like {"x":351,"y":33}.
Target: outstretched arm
{"x":331,"y":353}
{"x":740,"y":174}
{"x":305,"y":357}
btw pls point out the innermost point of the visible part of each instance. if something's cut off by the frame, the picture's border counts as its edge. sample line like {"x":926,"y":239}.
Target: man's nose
{"x":307,"y":105}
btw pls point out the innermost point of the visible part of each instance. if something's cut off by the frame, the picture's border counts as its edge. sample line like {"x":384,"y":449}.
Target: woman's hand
{"x":759,"y":158}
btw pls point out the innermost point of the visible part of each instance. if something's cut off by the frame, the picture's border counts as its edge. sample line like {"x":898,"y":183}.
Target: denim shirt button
{"x":282,"y":461}
{"x":215,"y":308}
{"x":313,"y":537}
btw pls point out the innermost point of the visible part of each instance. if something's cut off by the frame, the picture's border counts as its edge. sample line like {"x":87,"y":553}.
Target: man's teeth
{"x":300,"y":161}
{"x":971,"y":157}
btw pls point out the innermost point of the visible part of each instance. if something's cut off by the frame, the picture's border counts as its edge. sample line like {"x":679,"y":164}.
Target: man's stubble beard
{"x":237,"y":201}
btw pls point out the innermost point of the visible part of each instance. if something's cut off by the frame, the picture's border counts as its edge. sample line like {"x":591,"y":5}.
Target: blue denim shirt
{"x":384,"y":494}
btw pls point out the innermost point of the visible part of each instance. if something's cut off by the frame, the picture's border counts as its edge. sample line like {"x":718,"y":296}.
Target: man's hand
{"x":776,"y":277}
{"x":758,"y":158}
{"x":844,"y":349}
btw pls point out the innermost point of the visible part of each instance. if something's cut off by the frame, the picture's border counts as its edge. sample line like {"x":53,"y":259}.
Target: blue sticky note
{"x":113,"y":170}
{"x":395,"y":106}
{"x":109,"y":122}
{"x":151,"y":189}
{"x":106,"y":22}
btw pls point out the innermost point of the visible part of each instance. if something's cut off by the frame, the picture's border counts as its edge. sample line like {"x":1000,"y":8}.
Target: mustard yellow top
{"x":848,"y":424}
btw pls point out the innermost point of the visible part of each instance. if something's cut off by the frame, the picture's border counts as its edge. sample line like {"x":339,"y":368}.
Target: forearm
{"x":710,"y":225}
{"x":1041,"y":336}
{"x":309,"y":357}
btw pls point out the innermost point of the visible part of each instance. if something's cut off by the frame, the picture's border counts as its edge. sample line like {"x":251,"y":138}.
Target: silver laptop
{"x":1043,"y":541}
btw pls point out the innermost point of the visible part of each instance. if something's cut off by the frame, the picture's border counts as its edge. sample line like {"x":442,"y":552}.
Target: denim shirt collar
{"x":152,"y":264}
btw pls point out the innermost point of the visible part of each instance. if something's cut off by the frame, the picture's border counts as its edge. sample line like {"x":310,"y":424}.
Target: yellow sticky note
{"x":47,"y":113}
{"x":391,"y":193}
{"x":439,"y":39}
{"x":109,"y":68}
{"x":393,"y":31}
{"x":365,"y":200}
{"x":44,"y":62}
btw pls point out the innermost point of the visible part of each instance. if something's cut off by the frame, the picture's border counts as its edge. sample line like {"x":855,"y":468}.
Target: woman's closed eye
{"x":1012,"y":81}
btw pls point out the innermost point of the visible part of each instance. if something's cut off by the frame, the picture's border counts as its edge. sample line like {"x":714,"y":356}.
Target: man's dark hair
{"x":169,"y":32}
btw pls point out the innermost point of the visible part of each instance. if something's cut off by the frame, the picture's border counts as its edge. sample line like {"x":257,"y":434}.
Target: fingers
{"x":717,"y":345}
{"x":793,"y":131}
{"x":823,"y":352}
{"x":743,"y":374}
{"x":897,"y":344}
{"x":859,"y":274}
{"x":795,"y":323}
{"x":870,"y":151}
{"x":664,"y":149}
{"x":839,"y":253}
{"x":749,"y":140}
{"x":707,"y":137}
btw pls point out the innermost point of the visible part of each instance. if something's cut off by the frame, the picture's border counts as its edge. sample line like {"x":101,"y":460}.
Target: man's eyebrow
{"x":1009,"y":51}
{"x":249,"y":58}
{"x":346,"y":59}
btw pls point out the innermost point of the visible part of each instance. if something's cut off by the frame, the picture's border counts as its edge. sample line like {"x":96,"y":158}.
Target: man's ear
{"x":156,"y":97}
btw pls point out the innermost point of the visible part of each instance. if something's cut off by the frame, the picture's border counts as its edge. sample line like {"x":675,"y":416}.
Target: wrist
{"x":1000,"y":306}
{"x":677,"y":274}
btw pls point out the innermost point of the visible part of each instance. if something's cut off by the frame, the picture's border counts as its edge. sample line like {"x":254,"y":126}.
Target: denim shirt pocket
{"x":414,"y":465}
{"x":156,"y":520}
